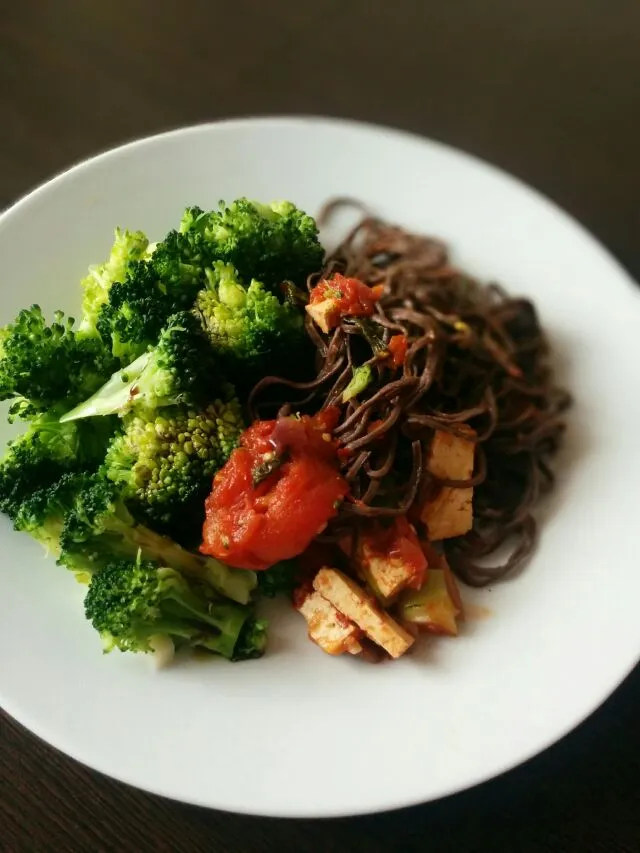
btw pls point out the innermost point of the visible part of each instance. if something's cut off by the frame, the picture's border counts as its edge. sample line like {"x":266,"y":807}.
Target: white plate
{"x":299,"y":733}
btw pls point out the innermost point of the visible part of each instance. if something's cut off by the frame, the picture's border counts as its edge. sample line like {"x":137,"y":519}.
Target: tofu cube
{"x":351,"y":600}
{"x":450,"y":456}
{"x":324,"y":313}
{"x":449,"y":512}
{"x":386,"y":575}
{"x":333,"y":632}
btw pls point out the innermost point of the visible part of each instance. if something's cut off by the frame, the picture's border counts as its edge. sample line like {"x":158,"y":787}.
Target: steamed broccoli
{"x":46,"y":452}
{"x":176,"y":267}
{"x":98,"y":526}
{"x":134,"y":603}
{"x":44,"y":365}
{"x":164,"y":460}
{"x":281,"y":579}
{"x":181,"y":368}
{"x":137,"y":309}
{"x":271,"y":243}
{"x":249,"y":328}
{"x":42,"y":513}
{"x":127,"y":248}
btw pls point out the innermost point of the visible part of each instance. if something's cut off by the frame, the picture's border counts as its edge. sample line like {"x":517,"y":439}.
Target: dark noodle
{"x":476,"y":358}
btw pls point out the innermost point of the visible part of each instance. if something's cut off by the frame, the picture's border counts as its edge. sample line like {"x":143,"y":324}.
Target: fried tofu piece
{"x":450,"y":456}
{"x":385,"y":574}
{"x":390,"y":558}
{"x":449,"y":512}
{"x":329,"y":629}
{"x":323,"y":313}
{"x":348,"y":598}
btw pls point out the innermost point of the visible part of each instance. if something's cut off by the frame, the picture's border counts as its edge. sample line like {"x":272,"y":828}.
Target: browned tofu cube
{"x":323,"y":313}
{"x":351,"y":600}
{"x":386,"y":575}
{"x":449,"y":512}
{"x":451,"y":457}
{"x":332,"y":631}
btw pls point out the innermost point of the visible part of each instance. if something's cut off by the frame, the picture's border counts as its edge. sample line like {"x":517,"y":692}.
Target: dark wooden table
{"x":550,"y":91}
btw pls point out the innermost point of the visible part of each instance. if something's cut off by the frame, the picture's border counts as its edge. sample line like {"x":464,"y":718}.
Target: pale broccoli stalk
{"x":99,"y":526}
{"x":132,"y":604}
{"x":181,"y":368}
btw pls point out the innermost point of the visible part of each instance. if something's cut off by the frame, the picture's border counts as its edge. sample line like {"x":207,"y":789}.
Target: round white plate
{"x":299,"y":733}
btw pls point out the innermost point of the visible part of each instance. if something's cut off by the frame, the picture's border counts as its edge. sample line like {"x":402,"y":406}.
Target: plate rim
{"x":402,"y":135}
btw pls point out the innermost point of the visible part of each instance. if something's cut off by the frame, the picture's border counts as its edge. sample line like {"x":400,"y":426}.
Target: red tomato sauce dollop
{"x":276,"y":492}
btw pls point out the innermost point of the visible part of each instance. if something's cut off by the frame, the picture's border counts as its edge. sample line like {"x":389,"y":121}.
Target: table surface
{"x":549,"y":91}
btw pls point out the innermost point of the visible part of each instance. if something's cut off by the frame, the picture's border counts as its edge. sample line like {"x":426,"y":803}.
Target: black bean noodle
{"x":476,"y":357}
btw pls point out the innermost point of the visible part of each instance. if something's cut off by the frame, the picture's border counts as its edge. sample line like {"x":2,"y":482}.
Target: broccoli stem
{"x":236,"y":584}
{"x":227,"y":621}
{"x":114,"y":396}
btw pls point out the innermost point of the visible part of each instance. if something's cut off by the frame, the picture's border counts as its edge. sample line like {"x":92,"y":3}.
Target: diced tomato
{"x":398,"y":349}
{"x":350,"y":297}
{"x":253,"y":522}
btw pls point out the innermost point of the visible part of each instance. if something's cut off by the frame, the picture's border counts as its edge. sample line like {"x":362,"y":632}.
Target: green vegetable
{"x":133,"y":603}
{"x":252,"y":640}
{"x":372,"y":333}
{"x":42,"y":366}
{"x":249,"y":328}
{"x":181,"y":368}
{"x":270,"y":243}
{"x":98,"y":526}
{"x":42,"y":513}
{"x":361,"y":378}
{"x":137,"y":309}
{"x":46,"y":452}
{"x":432,"y":606}
{"x":132,"y":413}
{"x":164,"y":459}
{"x":280,"y":579}
{"x":127,"y":248}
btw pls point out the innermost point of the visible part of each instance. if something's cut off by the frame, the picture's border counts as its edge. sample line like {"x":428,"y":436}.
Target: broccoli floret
{"x":280,"y":579}
{"x":271,"y":243}
{"x":127,"y":247}
{"x":43,"y":365}
{"x":177,"y":265}
{"x":252,"y":640}
{"x":42,"y":513}
{"x":181,"y":368}
{"x":138,"y":308}
{"x":98,"y":526}
{"x":46,"y":452}
{"x":133,"y":603}
{"x":249,"y":328}
{"x":164,"y":460}
{"x":38,"y":474}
